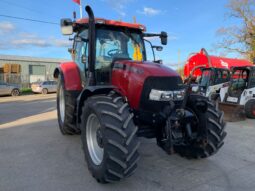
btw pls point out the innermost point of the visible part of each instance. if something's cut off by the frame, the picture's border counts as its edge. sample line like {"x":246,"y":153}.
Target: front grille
{"x":158,"y":83}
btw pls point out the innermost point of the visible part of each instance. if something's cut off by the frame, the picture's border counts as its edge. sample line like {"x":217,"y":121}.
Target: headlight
{"x":158,"y":95}
{"x":179,"y":95}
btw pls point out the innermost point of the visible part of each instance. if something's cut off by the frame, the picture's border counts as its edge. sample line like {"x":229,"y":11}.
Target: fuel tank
{"x":136,"y":79}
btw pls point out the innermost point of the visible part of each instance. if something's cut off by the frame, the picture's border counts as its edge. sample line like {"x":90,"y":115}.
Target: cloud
{"x":62,"y":43}
{"x":148,"y":11}
{"x":26,"y":39}
{"x":118,"y":5}
{"x":30,"y":42}
{"x":27,"y":35}
{"x":21,"y":41}
{"x":36,"y":42}
{"x":6,"y":27}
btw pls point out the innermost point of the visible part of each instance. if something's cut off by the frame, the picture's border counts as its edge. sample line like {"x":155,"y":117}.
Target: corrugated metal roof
{"x":31,"y":59}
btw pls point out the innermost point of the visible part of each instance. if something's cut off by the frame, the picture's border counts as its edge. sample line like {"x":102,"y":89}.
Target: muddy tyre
{"x":65,"y":109}
{"x":213,"y":120}
{"x":250,"y":109}
{"x":109,"y":138}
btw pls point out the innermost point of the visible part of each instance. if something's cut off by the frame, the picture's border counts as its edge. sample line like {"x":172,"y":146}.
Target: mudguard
{"x":71,"y":76}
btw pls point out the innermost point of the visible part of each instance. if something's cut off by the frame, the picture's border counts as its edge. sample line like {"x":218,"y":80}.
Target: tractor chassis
{"x":175,"y":127}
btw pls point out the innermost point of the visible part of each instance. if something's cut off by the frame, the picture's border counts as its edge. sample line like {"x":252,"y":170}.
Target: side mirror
{"x":158,"y":48}
{"x":66,"y":26}
{"x":163,"y":37}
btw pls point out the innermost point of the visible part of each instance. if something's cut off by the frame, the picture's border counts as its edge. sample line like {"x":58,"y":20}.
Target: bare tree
{"x":240,"y":38}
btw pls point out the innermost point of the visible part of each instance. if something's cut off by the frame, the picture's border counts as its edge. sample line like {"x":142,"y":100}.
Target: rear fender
{"x":86,"y":93}
{"x":71,"y":74}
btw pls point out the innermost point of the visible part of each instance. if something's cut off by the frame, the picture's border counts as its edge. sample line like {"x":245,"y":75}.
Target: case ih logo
{"x":225,"y":64}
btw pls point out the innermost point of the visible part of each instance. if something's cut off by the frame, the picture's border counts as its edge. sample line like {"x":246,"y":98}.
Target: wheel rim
{"x":94,"y":139}
{"x":62,"y":104}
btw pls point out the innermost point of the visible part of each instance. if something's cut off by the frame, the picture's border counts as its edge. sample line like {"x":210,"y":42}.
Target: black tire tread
{"x":249,"y":107}
{"x":121,"y":143}
{"x":216,"y":135}
{"x":69,"y":125}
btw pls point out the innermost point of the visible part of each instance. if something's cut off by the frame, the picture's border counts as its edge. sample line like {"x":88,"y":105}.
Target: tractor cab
{"x":212,"y":80}
{"x":111,"y":41}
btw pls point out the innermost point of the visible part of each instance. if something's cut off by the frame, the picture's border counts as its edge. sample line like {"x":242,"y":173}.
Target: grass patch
{"x":26,"y":91}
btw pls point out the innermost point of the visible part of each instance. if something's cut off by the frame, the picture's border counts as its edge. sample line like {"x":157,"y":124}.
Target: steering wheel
{"x":114,"y":51}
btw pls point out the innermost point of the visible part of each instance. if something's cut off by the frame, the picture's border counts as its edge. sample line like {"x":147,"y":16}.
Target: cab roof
{"x":101,"y":21}
{"x":248,"y":67}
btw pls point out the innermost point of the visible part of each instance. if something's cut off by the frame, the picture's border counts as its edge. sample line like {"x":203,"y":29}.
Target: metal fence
{"x":24,"y":81}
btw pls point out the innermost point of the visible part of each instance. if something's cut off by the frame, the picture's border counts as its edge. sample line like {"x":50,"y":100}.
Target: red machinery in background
{"x":203,"y":58}
{"x":213,"y":79}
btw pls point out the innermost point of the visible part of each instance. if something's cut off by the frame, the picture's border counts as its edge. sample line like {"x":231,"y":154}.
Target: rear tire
{"x":66,"y":109}
{"x":117,"y":138}
{"x":213,"y":120}
{"x":250,"y":109}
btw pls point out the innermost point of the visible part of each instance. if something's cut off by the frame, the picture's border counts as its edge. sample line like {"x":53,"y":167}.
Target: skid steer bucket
{"x":232,"y":112}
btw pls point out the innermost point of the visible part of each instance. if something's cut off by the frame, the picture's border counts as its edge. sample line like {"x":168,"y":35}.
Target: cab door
{"x":251,"y":83}
{"x":81,"y":54}
{"x":4,"y":89}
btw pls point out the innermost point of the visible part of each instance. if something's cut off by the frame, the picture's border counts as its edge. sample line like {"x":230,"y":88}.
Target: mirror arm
{"x":150,"y":34}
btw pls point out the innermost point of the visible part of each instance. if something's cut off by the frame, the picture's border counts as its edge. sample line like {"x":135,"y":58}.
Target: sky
{"x":190,"y":24}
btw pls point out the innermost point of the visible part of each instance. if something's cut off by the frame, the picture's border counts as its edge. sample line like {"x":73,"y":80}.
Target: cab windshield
{"x":239,"y":80}
{"x":206,"y":78}
{"x":112,"y":45}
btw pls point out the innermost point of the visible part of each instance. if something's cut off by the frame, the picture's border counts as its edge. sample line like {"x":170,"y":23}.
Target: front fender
{"x":71,"y":75}
{"x":87,"y":92}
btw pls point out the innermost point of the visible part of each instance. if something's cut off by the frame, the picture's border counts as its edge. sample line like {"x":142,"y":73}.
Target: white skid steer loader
{"x":238,"y":99}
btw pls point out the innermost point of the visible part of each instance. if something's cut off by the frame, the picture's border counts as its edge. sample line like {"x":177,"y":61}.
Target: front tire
{"x":110,"y":145}
{"x":66,"y":109}
{"x":215,"y":127}
{"x":250,"y":109}
{"x":15,"y":92}
{"x":44,"y":91}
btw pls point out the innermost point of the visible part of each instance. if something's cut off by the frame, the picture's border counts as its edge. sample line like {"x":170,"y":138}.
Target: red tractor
{"x":112,"y":95}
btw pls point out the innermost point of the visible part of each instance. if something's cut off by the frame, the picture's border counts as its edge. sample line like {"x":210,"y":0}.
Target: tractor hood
{"x":130,"y":76}
{"x":147,"y":68}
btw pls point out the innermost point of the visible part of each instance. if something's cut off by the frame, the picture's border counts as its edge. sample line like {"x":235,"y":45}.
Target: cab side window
{"x":222,"y":77}
{"x":252,"y":80}
{"x":81,"y":49}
